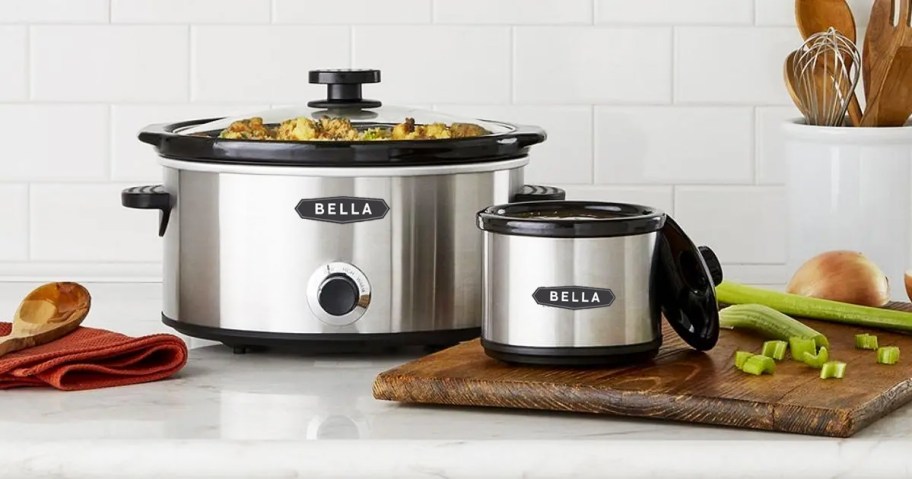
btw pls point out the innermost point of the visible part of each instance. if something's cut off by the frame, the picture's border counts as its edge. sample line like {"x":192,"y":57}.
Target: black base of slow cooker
{"x":589,"y":356}
{"x":242,"y":341}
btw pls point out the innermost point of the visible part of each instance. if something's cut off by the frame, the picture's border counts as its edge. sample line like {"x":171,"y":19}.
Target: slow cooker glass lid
{"x":344,"y":129}
{"x":361,"y":119}
{"x":344,"y":101}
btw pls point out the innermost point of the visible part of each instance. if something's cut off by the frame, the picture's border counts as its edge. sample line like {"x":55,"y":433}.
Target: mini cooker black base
{"x":573,"y":356}
{"x":241,"y":341}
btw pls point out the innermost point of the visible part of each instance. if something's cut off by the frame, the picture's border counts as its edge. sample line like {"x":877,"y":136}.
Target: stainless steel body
{"x":517,"y":266}
{"x":238,"y":256}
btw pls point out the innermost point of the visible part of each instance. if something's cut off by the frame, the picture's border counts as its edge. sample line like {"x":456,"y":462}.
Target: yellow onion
{"x":845,"y":276}
{"x":909,"y":283}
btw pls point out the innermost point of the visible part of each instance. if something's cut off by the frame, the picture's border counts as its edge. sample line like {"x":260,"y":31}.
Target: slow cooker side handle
{"x":149,"y":197}
{"x":539,"y":193}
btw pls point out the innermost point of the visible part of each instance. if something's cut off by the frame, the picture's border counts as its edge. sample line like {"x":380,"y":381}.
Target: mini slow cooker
{"x":580,"y":283}
{"x":333,"y":224}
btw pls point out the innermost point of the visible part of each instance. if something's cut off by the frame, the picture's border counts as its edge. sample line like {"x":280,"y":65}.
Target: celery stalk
{"x":768,"y":322}
{"x":814,"y":308}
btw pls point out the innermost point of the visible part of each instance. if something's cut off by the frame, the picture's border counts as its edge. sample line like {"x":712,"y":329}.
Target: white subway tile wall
{"x":670,"y":103}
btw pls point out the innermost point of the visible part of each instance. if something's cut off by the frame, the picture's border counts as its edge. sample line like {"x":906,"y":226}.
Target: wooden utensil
{"x":680,"y":384}
{"x":892,"y":105}
{"x":791,"y":81}
{"x":47,"y":313}
{"x":815,"y":16}
{"x":879,"y":46}
{"x":889,"y":76}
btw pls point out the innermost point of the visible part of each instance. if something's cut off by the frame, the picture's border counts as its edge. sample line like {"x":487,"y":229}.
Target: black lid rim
{"x":633,"y":220}
{"x":207,"y":149}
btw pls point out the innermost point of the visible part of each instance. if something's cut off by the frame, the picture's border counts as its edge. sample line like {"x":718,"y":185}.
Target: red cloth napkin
{"x":91,"y":358}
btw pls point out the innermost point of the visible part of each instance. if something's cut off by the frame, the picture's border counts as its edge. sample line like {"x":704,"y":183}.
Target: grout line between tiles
{"x":755,"y":145}
{"x":351,"y":46}
{"x":674,"y":65}
{"x":674,"y":200}
{"x":109,"y":164}
{"x":191,"y":62}
{"x":29,"y":74}
{"x":593,"y":157}
{"x":511,"y":72}
{"x":28,"y":219}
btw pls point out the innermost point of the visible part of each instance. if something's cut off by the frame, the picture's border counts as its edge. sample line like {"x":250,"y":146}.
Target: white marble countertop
{"x":282,"y":415}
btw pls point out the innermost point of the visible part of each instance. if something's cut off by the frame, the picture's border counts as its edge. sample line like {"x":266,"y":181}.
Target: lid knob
{"x":343,"y":88}
{"x":712,"y":264}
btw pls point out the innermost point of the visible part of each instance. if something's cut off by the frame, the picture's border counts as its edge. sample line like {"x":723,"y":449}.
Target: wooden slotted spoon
{"x":888,"y":64}
{"x":47,"y":313}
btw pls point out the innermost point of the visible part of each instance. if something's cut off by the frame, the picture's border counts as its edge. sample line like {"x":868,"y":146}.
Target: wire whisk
{"x":826,"y":68}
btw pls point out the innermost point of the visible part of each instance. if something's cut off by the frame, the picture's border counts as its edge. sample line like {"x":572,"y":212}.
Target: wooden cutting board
{"x":680,"y":384}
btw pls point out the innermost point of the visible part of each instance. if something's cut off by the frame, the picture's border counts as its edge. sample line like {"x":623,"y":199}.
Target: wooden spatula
{"x":892,"y":105}
{"x":47,"y":313}
{"x":879,"y":46}
{"x":890,"y":78}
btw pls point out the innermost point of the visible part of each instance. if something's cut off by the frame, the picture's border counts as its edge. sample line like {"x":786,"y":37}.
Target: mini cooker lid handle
{"x":687,"y":278}
{"x":343,"y":88}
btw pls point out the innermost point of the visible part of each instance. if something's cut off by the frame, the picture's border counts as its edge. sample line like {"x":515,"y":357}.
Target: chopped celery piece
{"x":816,"y":360}
{"x":741,"y":357}
{"x":833,"y":370}
{"x":865,"y":341}
{"x":758,"y":365}
{"x":799,"y":346}
{"x":775,"y":349}
{"x":888,"y":355}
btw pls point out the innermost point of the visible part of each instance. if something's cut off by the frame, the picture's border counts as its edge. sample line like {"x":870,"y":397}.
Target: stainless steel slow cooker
{"x":337,"y":240}
{"x":579,"y":283}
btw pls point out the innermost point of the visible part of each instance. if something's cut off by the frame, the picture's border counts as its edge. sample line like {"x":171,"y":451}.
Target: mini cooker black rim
{"x":571,"y":219}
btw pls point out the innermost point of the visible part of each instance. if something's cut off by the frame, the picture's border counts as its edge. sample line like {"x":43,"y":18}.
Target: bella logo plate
{"x":342,"y":209}
{"x":573,"y":297}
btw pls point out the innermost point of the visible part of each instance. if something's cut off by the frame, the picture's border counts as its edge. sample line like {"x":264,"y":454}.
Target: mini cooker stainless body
{"x":617,"y":307}
{"x":330,"y":242}
{"x":586,"y":283}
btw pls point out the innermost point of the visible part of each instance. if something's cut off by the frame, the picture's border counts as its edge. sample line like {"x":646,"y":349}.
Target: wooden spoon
{"x":47,"y":313}
{"x":791,"y":82}
{"x":815,"y":16}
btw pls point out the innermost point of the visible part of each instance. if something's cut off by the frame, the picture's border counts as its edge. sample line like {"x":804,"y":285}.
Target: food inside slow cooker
{"x":341,"y":129}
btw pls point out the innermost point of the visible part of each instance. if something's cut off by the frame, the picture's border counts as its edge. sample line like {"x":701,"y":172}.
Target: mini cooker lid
{"x":685,"y":276}
{"x":343,"y":129}
{"x":571,"y":219}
